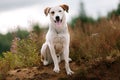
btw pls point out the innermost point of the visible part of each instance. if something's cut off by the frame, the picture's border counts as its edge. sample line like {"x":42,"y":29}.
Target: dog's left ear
{"x":65,"y":7}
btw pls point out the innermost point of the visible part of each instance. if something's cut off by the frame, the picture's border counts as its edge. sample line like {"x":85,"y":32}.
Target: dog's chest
{"x":58,"y":42}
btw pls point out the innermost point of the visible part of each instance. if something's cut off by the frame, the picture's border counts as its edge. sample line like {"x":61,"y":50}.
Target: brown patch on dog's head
{"x":46,"y":10}
{"x":65,"y":7}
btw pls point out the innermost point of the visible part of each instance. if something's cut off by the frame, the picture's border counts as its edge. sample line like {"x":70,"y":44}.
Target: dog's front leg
{"x":66,"y":58}
{"x":54,"y":57}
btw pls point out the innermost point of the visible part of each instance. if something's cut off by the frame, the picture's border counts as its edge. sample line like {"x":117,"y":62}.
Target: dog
{"x":56,"y":47}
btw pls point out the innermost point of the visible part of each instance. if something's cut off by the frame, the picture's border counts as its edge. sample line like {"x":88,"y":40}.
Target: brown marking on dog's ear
{"x":65,"y":7}
{"x":46,"y":10}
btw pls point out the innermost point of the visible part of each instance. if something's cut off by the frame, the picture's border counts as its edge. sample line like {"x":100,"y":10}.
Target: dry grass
{"x":99,"y":40}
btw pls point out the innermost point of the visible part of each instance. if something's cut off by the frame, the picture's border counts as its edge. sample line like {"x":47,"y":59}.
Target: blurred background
{"x":18,"y":17}
{"x":22,"y":13}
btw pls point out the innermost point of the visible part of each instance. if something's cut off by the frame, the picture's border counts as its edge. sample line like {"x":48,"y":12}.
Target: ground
{"x":99,"y":69}
{"x":39,"y":73}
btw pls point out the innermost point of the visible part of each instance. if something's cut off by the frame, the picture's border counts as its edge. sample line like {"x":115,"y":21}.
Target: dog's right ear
{"x":46,"y":10}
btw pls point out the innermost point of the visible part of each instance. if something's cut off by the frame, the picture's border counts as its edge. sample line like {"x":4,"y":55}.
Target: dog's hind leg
{"x":45,"y":54}
{"x":61,"y":57}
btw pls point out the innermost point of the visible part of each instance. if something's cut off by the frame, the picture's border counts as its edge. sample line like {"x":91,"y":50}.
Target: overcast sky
{"x":14,"y":13}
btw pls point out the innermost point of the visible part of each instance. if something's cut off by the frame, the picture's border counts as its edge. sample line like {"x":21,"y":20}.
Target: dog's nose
{"x":57,"y":18}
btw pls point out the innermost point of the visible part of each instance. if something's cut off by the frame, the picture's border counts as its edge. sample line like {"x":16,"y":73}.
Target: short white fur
{"x":56,"y":47}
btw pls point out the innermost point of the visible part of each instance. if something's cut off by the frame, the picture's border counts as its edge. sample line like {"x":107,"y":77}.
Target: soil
{"x":39,"y":73}
{"x":99,"y":69}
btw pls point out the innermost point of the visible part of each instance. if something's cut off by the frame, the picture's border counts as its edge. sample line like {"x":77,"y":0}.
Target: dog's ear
{"x":65,"y":7}
{"x":46,"y":10}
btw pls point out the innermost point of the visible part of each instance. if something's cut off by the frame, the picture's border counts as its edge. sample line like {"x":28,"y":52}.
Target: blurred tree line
{"x":83,"y":18}
{"x":114,"y":12}
{"x":6,"y":39}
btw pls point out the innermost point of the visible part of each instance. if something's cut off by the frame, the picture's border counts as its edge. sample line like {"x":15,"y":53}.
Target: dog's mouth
{"x":58,"y":22}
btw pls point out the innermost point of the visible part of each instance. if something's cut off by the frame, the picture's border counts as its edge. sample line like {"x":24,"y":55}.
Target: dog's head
{"x":57,"y":14}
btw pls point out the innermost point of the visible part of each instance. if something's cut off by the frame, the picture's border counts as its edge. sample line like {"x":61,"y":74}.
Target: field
{"x":94,"y":49}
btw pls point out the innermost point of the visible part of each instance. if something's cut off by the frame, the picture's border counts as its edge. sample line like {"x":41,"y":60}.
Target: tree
{"x":114,"y":12}
{"x":82,"y":17}
{"x":82,"y":13}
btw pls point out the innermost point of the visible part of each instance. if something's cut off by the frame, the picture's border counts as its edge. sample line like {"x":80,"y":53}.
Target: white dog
{"x":56,"y":47}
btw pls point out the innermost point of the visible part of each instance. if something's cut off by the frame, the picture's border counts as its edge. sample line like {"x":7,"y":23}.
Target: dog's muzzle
{"x":58,"y":21}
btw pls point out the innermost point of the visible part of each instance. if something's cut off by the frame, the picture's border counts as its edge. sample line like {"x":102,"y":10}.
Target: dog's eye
{"x":52,"y":12}
{"x":60,"y":11}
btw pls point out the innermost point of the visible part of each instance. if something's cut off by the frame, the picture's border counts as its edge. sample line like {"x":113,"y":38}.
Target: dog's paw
{"x":70,"y":72}
{"x":45,"y":63}
{"x":57,"y":70}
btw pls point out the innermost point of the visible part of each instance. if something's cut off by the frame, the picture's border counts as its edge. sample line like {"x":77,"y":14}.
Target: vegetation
{"x":6,"y":40}
{"x":27,"y":55}
{"x":89,"y":41}
{"x":114,"y":12}
{"x":82,"y":18}
{"x":102,"y":41}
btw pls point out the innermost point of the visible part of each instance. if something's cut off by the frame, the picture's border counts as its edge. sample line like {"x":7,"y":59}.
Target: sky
{"x":24,"y":13}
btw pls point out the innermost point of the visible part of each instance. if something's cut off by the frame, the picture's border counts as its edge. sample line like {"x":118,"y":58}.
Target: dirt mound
{"x":103,"y":69}
{"x":39,"y":73}
{"x":106,"y":69}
